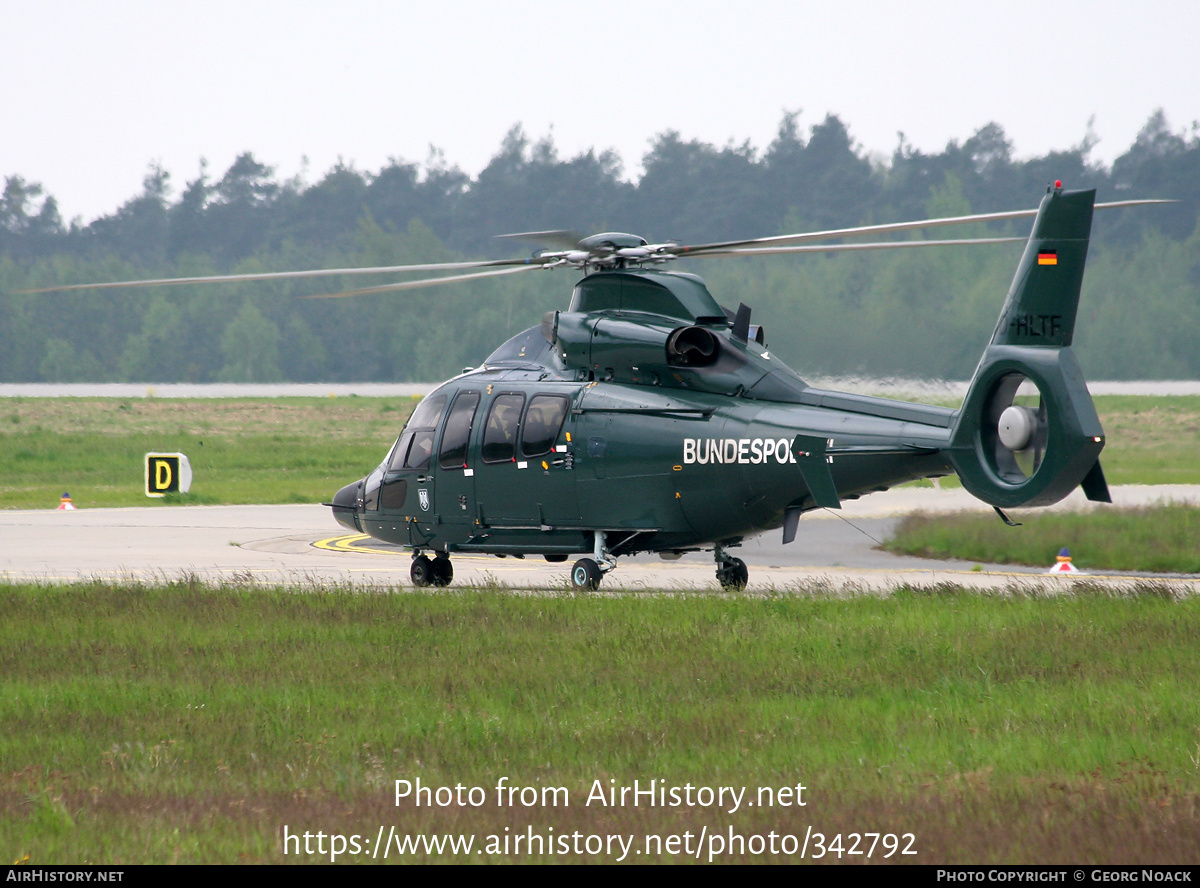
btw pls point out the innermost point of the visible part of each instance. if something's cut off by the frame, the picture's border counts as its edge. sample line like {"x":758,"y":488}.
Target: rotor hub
{"x":1016,"y":427}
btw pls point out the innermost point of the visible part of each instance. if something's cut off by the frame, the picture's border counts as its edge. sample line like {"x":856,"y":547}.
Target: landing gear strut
{"x":427,"y":572}
{"x":588,"y":572}
{"x":731,"y":572}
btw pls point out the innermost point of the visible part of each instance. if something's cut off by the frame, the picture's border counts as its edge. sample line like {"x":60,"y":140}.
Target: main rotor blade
{"x":426,"y":282}
{"x":284,"y":275}
{"x":567,"y":240}
{"x":842,"y":248}
{"x":785,"y":243}
{"x":890,"y":227}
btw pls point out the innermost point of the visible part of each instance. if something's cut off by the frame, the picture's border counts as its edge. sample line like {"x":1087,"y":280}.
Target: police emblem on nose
{"x":423,"y":496}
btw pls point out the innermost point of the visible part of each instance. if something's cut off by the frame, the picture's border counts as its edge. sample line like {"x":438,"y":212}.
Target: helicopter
{"x":648,"y":418}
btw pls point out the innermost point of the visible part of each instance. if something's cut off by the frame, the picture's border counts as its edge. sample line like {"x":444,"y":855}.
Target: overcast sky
{"x":94,"y":92}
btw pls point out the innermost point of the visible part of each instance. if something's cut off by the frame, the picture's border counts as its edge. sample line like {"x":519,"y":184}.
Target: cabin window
{"x":543,"y":421}
{"x":500,"y":434}
{"x":453,"y":454}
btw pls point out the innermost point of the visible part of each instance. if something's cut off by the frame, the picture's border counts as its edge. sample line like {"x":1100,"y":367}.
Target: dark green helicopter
{"x":648,"y":418}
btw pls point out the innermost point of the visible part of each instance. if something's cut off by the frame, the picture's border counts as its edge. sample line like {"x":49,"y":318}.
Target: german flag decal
{"x":1048,"y":257}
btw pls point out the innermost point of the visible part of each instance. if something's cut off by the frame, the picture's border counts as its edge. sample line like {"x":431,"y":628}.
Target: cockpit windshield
{"x":428,"y":412}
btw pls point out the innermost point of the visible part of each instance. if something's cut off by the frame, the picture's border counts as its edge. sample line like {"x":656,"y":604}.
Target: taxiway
{"x":303,"y":544}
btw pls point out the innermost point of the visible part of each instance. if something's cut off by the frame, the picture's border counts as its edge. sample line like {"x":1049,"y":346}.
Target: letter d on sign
{"x":167,"y":473}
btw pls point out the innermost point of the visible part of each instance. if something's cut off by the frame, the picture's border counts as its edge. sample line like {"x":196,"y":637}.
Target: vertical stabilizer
{"x":1028,"y":433}
{"x":1044,"y":296}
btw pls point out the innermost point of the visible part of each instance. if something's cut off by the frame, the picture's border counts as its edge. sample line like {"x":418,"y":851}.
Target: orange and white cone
{"x":65,"y":505}
{"x":1063,"y":563}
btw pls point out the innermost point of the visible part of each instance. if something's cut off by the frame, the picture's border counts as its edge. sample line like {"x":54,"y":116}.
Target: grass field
{"x":186,"y":724}
{"x":1154,"y":538}
{"x":1150,"y":440}
{"x":267,"y":450}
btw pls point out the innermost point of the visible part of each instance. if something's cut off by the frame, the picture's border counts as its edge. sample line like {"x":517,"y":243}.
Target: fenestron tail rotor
{"x":1022,"y":427}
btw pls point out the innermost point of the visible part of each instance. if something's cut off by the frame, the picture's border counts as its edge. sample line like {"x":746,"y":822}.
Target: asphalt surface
{"x":303,"y":544}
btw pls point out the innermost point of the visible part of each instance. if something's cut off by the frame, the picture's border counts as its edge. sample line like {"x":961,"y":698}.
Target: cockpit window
{"x":453,"y":454}
{"x":399,"y":452}
{"x":412,"y":451}
{"x":500,"y":434}
{"x":543,"y":421}
{"x":415,"y":445}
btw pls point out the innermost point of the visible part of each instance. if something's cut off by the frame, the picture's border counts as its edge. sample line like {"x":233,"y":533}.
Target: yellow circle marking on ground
{"x":350,"y":543}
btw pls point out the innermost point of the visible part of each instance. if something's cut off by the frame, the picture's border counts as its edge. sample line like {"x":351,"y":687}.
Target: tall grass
{"x":182,"y":723}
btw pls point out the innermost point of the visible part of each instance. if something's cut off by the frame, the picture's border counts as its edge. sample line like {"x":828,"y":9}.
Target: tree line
{"x":922,"y":313}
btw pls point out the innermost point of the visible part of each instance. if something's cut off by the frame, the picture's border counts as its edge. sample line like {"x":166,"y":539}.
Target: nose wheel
{"x":431,"y":572}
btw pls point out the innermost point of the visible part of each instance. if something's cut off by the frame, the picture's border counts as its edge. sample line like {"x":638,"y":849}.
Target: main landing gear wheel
{"x":443,"y":571}
{"x":733,"y":575}
{"x":586,"y":574}
{"x":422,"y":571}
{"x":436,"y":572}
